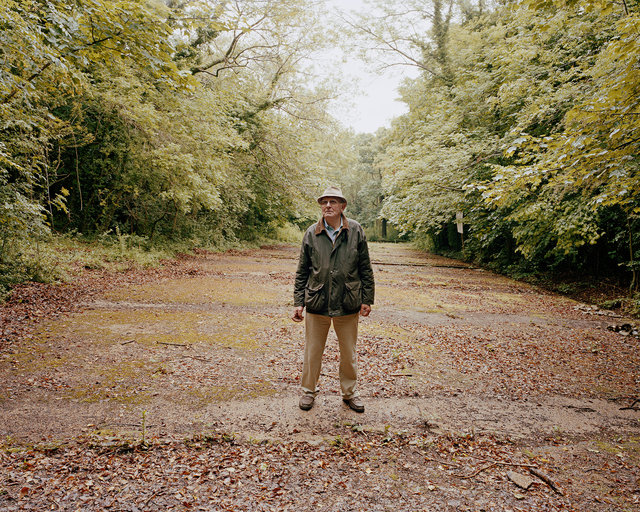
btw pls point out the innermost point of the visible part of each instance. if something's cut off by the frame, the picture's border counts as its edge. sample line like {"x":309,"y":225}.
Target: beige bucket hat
{"x":332,"y":192}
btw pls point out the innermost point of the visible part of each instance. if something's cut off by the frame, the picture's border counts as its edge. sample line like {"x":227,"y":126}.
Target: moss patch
{"x":237,"y":329}
{"x":240,"y":391}
{"x":386,"y":330}
{"x":423,"y":301}
{"x":207,"y":290}
{"x":122,"y":382}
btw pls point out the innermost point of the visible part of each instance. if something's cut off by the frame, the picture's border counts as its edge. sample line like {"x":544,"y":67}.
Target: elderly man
{"x":334,"y":282}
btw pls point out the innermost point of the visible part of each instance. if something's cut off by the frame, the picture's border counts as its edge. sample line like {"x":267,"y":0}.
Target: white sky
{"x":376,"y":103}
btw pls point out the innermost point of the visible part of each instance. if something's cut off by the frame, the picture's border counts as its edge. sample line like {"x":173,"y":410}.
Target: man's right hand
{"x":297,"y":314}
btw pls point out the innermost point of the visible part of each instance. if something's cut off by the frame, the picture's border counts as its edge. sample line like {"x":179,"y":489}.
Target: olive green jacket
{"x":334,"y":279}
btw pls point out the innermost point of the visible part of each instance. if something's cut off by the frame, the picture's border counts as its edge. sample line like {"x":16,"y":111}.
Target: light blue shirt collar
{"x":333,"y":233}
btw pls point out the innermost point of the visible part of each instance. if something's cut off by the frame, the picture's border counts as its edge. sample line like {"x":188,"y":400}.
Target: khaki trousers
{"x":316,"y":331}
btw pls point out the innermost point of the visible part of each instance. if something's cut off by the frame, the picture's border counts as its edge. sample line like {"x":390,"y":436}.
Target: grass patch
{"x":111,"y":251}
{"x":58,"y":258}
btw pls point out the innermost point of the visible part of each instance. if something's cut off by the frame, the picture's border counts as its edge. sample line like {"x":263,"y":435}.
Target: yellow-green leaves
{"x":540,"y":126}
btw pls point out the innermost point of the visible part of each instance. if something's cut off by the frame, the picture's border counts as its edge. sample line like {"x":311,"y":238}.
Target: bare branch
{"x":229,"y":53}
{"x":625,"y":144}
{"x":392,"y":46}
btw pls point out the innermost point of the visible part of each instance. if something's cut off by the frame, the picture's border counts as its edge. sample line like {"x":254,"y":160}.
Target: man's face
{"x":332,"y":208}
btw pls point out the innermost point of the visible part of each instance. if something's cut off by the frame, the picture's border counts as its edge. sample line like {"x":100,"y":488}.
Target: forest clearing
{"x":160,"y":161}
{"x":176,"y":389}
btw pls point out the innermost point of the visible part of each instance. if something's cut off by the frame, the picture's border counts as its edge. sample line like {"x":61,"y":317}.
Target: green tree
{"x":525,"y":121}
{"x":47,"y":48}
{"x":567,"y":179}
{"x":172,"y":120}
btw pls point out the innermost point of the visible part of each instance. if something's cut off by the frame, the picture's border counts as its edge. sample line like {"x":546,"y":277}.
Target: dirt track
{"x":449,"y":351}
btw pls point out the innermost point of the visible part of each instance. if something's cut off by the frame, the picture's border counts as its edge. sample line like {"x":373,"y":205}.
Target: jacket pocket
{"x":352,"y":296}
{"x":314,"y":298}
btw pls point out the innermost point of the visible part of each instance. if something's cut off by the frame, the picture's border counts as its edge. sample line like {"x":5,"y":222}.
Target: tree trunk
{"x":633,"y":287}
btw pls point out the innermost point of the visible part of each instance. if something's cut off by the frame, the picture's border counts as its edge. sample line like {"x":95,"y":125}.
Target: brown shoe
{"x":354,"y":403}
{"x":306,"y":402}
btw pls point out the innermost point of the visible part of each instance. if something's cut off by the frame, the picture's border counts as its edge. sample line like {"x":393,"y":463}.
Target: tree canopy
{"x":164,"y":120}
{"x":524,"y":118}
{"x":204,"y":121}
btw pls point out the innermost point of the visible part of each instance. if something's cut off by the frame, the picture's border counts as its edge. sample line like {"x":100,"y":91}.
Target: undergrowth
{"x":606,"y":292}
{"x":60,"y":257}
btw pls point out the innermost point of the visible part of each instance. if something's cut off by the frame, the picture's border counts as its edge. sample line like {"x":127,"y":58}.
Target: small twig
{"x":632,"y":407}
{"x":546,"y":479}
{"x":624,"y":144}
{"x":401,"y":374}
{"x":154,"y":495}
{"x":392,"y":264}
{"x":443,"y":462}
{"x":197,"y":358}
{"x":127,"y":342}
{"x":501,"y":463}
{"x":492,"y":463}
{"x":477,"y":472}
{"x":126,"y":425}
{"x":172,"y":344}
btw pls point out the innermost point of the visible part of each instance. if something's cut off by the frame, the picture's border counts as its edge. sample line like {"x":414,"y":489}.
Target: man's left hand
{"x":365,"y":309}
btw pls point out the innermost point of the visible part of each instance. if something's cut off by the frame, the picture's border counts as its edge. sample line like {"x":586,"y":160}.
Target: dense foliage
{"x":158,"y":120}
{"x":525,"y":119}
{"x":197,"y":121}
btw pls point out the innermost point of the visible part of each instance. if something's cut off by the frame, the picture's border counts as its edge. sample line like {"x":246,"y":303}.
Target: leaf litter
{"x":119,"y":397}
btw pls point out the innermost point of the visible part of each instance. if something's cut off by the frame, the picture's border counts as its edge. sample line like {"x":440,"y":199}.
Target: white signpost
{"x":460,"y":225}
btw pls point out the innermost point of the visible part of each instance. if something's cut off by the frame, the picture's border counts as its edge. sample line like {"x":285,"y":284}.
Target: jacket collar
{"x":320,"y":225}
